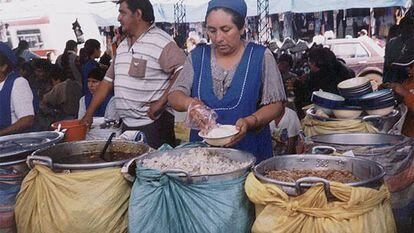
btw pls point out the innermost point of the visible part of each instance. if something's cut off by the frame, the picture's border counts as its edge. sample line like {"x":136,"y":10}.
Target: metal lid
{"x":358,"y":139}
{"x":22,"y":144}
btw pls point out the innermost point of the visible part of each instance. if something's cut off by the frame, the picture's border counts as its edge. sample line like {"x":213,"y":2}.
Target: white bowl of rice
{"x":219,"y":136}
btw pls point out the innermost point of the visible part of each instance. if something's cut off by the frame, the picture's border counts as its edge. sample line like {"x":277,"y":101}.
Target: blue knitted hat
{"x":238,"y":6}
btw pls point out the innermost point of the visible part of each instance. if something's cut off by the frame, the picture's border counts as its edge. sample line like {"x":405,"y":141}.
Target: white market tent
{"x":107,"y":12}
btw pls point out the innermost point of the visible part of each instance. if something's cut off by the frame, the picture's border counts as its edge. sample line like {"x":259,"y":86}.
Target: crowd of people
{"x":145,"y":75}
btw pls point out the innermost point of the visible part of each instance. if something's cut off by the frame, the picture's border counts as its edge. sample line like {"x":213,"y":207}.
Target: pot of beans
{"x":87,"y":155}
{"x":195,"y":165}
{"x":295,"y":173}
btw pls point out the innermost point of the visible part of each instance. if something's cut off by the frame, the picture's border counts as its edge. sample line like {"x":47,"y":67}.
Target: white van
{"x":47,"y":25}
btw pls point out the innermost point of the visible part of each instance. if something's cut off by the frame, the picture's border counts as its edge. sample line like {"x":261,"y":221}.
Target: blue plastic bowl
{"x":327,"y":100}
{"x":377,"y":94}
{"x":380,"y":105}
{"x":378,"y":99}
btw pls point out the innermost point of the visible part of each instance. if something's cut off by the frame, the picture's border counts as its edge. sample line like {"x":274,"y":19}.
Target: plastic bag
{"x":356,"y":210}
{"x":85,"y":201}
{"x":206,"y":119}
{"x":161,"y":203}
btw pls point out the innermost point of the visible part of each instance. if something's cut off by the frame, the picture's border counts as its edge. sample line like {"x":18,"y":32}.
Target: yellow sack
{"x":360,"y":210}
{"x":86,"y":201}
{"x":312,"y":127}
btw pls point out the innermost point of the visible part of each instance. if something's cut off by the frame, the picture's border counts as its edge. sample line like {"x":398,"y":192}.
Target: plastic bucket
{"x":75,"y":130}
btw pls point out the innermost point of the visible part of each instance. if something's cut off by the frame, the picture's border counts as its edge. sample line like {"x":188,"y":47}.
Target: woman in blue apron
{"x":237,"y":79}
{"x":16,"y":98}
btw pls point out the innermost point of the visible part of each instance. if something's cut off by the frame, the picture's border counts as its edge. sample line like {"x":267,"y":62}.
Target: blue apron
{"x":241,"y":99}
{"x":5,"y":97}
{"x":100,"y":112}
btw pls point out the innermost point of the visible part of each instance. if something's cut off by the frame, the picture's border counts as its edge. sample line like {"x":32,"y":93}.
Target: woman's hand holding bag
{"x":201,"y":117}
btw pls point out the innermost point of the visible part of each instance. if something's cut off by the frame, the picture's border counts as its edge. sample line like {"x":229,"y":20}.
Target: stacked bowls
{"x":327,"y":101}
{"x":379,"y":102}
{"x":356,"y":97}
{"x":347,"y":112}
{"x":354,"y":88}
{"x":333,"y":104}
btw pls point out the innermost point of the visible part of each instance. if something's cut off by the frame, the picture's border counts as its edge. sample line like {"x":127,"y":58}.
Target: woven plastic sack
{"x":312,"y":127}
{"x":356,"y":210}
{"x":86,"y":201}
{"x":398,"y":162}
{"x":161,"y":203}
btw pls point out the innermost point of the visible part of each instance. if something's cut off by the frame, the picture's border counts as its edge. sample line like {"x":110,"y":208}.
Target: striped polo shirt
{"x":141,"y":73}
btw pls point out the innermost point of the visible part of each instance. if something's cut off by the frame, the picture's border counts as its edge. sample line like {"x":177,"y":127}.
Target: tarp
{"x":107,"y":12}
{"x":196,"y":13}
{"x":303,"y":6}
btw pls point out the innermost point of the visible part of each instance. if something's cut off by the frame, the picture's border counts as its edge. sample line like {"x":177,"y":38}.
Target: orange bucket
{"x":75,"y":130}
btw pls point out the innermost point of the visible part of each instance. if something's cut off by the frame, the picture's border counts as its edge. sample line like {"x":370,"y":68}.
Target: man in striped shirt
{"x":144,"y":67}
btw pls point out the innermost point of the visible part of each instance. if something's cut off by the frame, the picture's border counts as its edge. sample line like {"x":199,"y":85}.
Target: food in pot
{"x":96,"y":158}
{"x":221,"y":132}
{"x":196,"y":161}
{"x":341,"y":176}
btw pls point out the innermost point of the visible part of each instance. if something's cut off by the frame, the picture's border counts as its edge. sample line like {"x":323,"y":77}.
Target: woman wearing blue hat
{"x":16,"y":98}
{"x":237,"y":79}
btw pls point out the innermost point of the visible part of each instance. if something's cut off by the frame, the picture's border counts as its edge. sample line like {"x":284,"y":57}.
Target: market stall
{"x":77,"y":187}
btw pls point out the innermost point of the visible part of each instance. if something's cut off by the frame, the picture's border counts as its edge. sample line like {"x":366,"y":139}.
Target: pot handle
{"x":312,"y":179}
{"x":316,"y":148}
{"x":140,"y":137}
{"x":128,"y":170}
{"x":374,"y":119}
{"x":179,"y":171}
{"x":43,"y":160}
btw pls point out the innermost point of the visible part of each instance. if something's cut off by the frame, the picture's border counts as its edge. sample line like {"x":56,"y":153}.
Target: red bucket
{"x":75,"y":130}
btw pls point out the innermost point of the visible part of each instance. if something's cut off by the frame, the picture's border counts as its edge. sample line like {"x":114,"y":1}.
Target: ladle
{"x":106,"y":147}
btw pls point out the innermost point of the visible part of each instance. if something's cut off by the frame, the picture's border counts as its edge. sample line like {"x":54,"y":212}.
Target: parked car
{"x":363,"y":55}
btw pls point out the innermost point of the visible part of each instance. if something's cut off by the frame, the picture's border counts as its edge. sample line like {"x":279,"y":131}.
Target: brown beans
{"x":341,"y":176}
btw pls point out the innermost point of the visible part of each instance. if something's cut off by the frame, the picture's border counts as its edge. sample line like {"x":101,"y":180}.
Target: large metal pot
{"x":359,"y":139}
{"x":383,"y":123}
{"x":85,"y":155}
{"x":370,"y":173}
{"x":15,"y":148}
{"x":184,"y":176}
{"x":391,"y":151}
{"x":13,"y":152}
